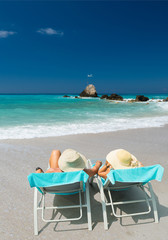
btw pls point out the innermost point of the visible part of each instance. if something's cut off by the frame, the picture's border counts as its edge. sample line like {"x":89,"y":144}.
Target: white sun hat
{"x":71,"y":160}
{"x":122,"y":159}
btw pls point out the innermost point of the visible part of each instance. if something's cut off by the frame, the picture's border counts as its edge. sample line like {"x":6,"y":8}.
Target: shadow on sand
{"x":96,"y":209}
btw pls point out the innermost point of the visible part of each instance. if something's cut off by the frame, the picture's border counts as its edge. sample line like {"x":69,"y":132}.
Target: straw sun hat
{"x":121,"y":159}
{"x":70,"y":160}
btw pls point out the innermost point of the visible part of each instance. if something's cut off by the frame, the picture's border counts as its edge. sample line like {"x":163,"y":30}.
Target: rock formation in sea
{"x":66,"y":96}
{"x":104,"y":96}
{"x":141,"y":98}
{"x":112,"y":97}
{"x":89,"y":91}
{"x":115,"y":97}
{"x":165,"y":100}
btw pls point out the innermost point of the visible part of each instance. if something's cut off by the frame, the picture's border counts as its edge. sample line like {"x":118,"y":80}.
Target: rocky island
{"x":113,"y":96}
{"x":89,"y":91}
{"x":141,"y":98}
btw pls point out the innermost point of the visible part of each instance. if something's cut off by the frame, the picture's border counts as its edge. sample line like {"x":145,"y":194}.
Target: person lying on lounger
{"x":69,"y":160}
{"x":118,"y":159}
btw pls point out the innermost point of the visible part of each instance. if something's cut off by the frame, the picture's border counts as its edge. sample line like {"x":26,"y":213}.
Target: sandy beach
{"x":20,"y":157}
{"x":89,"y":76}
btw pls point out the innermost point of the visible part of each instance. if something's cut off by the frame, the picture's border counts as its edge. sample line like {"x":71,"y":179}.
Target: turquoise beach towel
{"x":54,"y":179}
{"x":142,"y":174}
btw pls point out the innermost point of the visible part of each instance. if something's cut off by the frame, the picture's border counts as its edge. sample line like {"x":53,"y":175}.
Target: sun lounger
{"x":123,"y":179}
{"x":64,"y":183}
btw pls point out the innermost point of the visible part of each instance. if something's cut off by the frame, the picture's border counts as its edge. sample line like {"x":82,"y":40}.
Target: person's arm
{"x":94,"y":170}
{"x":105,"y":170}
{"x":103,"y":174}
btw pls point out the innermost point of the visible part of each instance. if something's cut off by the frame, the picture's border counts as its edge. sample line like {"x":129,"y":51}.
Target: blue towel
{"x":54,"y":179}
{"x":142,"y":174}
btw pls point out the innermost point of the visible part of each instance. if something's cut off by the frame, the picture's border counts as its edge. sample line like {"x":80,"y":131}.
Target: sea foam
{"x":32,"y":131}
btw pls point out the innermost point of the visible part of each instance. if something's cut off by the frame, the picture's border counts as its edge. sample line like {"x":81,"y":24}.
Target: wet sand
{"x":19,"y":158}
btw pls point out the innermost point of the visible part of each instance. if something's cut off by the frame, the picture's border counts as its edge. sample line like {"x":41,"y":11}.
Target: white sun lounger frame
{"x":68,"y":188}
{"x":123,"y":186}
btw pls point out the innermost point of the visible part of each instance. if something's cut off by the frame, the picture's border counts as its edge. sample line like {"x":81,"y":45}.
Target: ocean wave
{"x":163,"y":105}
{"x":34,"y":131}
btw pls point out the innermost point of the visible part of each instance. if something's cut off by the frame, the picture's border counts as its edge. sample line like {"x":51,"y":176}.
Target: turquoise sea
{"x":30,"y":116}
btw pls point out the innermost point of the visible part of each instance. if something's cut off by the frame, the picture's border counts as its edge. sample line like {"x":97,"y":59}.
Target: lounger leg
{"x":88,"y":207}
{"x":104,"y":209}
{"x":35,"y":212}
{"x":154,"y":203}
{"x":103,"y":203}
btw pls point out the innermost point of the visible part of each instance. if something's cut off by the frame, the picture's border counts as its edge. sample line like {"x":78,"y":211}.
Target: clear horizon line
{"x":66,"y":93}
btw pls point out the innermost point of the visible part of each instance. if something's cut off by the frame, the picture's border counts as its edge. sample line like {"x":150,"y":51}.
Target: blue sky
{"x":57,"y":47}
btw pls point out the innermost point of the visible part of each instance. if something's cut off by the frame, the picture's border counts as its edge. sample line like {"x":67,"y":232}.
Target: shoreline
{"x":96,"y":145}
{"x":80,"y":134}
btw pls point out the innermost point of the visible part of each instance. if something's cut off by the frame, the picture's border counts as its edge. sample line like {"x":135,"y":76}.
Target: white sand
{"x":20,"y":157}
